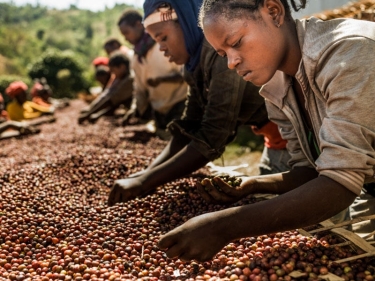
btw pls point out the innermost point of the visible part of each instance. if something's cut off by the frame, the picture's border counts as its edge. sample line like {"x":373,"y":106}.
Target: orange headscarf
{"x":100,"y":61}
{"x":15,"y":88}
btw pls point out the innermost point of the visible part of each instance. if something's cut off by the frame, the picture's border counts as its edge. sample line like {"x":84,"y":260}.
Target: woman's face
{"x":171,"y":40}
{"x":254,"y":47}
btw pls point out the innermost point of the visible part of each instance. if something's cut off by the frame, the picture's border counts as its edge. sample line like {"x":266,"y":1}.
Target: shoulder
{"x":320,"y":36}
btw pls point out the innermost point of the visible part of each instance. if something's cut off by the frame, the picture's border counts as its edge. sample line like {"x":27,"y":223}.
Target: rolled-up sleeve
{"x":347,"y":135}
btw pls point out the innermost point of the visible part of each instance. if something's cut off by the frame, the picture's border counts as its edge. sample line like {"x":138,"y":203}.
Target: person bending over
{"x":218,"y":100}
{"x":320,"y":95}
{"x":158,"y":82}
{"x":6,"y":124}
{"x":20,"y":108}
{"x":120,"y":91}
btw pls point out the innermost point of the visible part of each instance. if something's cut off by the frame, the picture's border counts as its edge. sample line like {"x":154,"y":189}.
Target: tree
{"x":63,"y":71}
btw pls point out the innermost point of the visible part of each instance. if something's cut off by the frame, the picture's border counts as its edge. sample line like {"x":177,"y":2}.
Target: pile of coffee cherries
{"x":55,"y":223}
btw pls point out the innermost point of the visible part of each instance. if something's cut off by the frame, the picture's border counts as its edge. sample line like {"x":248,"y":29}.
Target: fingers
{"x":173,"y":250}
{"x":216,"y":194}
{"x":166,"y":241}
{"x":202,"y":192}
{"x":211,"y":194}
{"x":111,"y":198}
{"x":114,"y":196}
{"x":226,"y":188}
{"x":192,"y":254}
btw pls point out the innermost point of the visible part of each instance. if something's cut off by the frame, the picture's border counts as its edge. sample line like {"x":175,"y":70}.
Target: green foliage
{"x":12,"y":14}
{"x":63,"y":71}
{"x":5,"y":80}
{"x":27,"y":32}
{"x":18,"y":47}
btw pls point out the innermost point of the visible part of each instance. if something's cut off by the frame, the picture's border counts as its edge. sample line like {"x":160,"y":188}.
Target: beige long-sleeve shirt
{"x":337,"y":77}
{"x":165,"y":95}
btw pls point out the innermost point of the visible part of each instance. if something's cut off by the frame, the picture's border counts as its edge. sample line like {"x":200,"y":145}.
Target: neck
{"x":293,"y":56}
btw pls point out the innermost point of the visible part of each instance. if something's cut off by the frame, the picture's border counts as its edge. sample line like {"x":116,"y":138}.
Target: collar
{"x":277,"y":88}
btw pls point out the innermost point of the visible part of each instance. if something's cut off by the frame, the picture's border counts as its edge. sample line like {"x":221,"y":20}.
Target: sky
{"x":94,"y":5}
{"x":97,"y":5}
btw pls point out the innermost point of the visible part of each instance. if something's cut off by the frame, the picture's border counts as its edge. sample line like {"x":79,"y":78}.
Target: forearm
{"x":102,"y":103}
{"x":184,"y":162}
{"x":173,"y":78}
{"x":282,"y":182}
{"x":309,"y":204}
{"x":41,"y":108}
{"x":175,"y":145}
{"x":32,"y":115}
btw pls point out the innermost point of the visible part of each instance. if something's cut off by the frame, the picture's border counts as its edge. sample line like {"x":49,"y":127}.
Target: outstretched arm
{"x":95,"y":107}
{"x":202,"y":237}
{"x":171,"y":164}
{"x":175,"y":145}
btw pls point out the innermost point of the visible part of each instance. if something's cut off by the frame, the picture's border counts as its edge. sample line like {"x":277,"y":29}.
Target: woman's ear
{"x":276,"y":11}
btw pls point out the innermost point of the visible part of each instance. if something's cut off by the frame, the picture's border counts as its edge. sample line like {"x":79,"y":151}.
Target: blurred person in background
{"x":113,"y":44}
{"x":119,"y":92}
{"x":20,"y":108}
{"x":7,"y":125}
{"x":158,"y":83}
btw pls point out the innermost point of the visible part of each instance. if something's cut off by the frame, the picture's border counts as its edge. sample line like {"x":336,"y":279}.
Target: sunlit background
{"x":93,"y":5}
{"x":314,"y":6}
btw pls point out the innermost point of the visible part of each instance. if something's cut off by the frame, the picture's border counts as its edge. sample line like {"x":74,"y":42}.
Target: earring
{"x":277,"y":24}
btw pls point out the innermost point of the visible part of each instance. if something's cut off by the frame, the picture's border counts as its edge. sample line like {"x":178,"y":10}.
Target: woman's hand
{"x":200,"y":238}
{"x":224,"y":193}
{"x":127,"y":189}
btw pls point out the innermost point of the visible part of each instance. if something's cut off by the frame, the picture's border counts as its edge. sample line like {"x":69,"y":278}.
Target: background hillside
{"x":28,"y":31}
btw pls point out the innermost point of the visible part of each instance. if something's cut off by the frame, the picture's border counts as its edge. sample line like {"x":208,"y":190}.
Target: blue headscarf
{"x":187,"y":12}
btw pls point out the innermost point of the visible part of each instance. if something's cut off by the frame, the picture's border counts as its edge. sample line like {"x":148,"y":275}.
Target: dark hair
{"x":118,"y":58}
{"x":130,"y":17}
{"x":228,"y":8}
{"x":102,"y":70}
{"x":112,"y":42}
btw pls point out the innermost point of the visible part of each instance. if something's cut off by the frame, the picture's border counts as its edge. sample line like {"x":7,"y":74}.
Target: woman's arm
{"x":267,"y":184}
{"x":202,"y":237}
{"x":175,"y":165}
